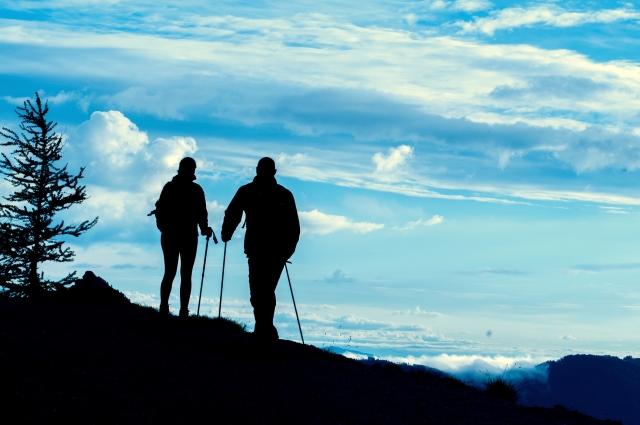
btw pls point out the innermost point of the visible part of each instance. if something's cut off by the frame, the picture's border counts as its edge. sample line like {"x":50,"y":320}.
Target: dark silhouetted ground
{"x":68,"y":362}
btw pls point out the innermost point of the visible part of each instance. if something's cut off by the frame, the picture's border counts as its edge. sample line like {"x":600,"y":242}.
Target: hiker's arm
{"x":232,"y":216}
{"x":293,"y":227}
{"x":202,"y":215}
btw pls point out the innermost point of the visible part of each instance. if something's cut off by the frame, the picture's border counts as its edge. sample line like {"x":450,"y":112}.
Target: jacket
{"x":181,"y":207}
{"x":273,"y":227}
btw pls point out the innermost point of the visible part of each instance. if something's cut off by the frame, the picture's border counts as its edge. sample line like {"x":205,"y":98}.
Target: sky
{"x":465,"y":171}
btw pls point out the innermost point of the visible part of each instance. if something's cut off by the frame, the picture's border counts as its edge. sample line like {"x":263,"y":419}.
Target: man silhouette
{"x":180,"y":209}
{"x":272,"y":234}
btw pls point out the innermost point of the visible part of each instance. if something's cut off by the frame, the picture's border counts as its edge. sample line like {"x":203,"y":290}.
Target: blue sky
{"x":459,"y":166}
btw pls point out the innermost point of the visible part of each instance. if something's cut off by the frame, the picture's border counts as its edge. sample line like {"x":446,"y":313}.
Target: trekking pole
{"x":294,"y":301}
{"x":204,"y":266}
{"x":224,"y":260}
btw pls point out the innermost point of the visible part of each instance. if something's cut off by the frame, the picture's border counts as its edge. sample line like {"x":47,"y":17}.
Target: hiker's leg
{"x":274,"y":271}
{"x":188,"y":250}
{"x":264,"y":274}
{"x":170,"y":254}
{"x":256,"y":287}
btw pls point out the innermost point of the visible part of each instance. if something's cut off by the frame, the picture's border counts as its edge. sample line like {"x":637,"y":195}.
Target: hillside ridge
{"x":71,"y":362}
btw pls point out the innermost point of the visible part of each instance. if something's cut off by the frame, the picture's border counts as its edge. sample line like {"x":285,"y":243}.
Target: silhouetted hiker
{"x":180,"y":209}
{"x":272,"y":234}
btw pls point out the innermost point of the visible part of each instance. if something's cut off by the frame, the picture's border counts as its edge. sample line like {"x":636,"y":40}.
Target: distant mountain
{"x":605,"y":387}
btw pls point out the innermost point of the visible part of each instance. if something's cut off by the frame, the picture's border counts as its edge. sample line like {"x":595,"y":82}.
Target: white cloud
{"x":319,"y":223}
{"x":114,"y":206}
{"x":614,"y":210}
{"x":417,"y":312}
{"x":126,"y":171}
{"x":150,"y":300}
{"x":16,"y":101}
{"x":339,"y":277}
{"x":113,"y":137}
{"x":438,"y":5}
{"x":104,"y":255}
{"x":411,"y":18}
{"x":344,"y":169}
{"x":436,"y":219}
{"x":569,"y":337}
{"x":395,"y":158}
{"x":474,"y":368}
{"x":370,"y":329}
{"x":505,"y":156}
{"x":59,"y":99}
{"x":214,"y":208}
{"x":549,"y":15}
{"x":169,"y":152}
{"x":286,"y":159}
{"x":471,"y":5}
{"x":114,"y":141}
{"x":591,"y":158}
{"x":167,"y":104}
{"x":57,"y":4}
{"x":456,"y":363}
{"x":322,"y":329}
{"x":216,"y":215}
{"x":290,"y":164}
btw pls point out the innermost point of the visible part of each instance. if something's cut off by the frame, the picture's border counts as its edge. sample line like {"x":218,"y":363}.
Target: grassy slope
{"x":76,"y":363}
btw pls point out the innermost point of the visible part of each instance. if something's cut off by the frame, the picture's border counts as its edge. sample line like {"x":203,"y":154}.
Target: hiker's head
{"x":187,"y":167}
{"x":266,"y":167}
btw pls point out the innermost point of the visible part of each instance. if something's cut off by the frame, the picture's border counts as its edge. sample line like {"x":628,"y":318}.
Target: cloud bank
{"x":319,"y":223}
{"x":547,"y":15}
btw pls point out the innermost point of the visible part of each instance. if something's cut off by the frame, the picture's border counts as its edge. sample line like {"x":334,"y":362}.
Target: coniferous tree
{"x":7,"y":267}
{"x":28,"y":234}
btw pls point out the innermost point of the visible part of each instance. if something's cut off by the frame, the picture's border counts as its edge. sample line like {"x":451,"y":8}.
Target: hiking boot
{"x":164,"y":309}
{"x":184,"y":313}
{"x":265,"y":331}
{"x":265,"y":339}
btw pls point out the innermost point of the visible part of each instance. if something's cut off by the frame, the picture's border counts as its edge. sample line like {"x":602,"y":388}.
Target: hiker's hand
{"x":207,"y":232}
{"x":225,"y":237}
